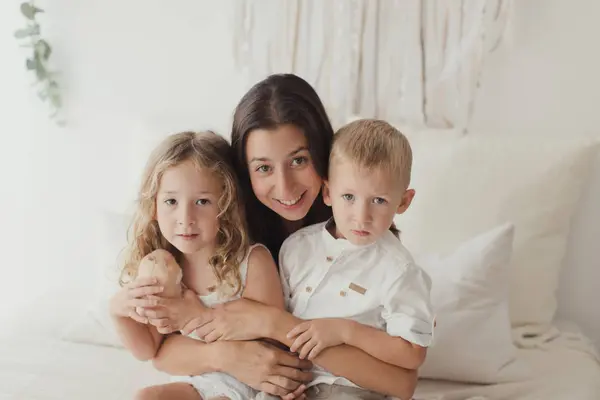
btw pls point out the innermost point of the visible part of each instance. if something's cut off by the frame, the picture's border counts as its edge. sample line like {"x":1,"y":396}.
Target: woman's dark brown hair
{"x":278,"y":100}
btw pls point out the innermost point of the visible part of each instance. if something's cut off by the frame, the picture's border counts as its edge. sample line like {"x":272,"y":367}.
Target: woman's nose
{"x":284,"y":185}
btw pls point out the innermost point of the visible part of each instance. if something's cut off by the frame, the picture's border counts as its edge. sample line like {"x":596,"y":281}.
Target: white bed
{"x":36,"y":364}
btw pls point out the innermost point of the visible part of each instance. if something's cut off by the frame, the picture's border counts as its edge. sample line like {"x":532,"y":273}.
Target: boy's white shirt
{"x":377,"y":285}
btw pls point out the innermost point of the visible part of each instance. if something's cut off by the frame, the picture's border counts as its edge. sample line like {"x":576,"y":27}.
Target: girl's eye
{"x":171,"y":202}
{"x":348,"y":197}
{"x":202,"y":202}
{"x":263,"y":168}
{"x":299,"y":161}
{"x":379,"y":200}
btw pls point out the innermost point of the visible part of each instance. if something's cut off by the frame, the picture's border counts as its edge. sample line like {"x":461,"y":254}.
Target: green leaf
{"x":30,"y":64}
{"x":27,"y":32}
{"x":40,"y":71}
{"x":29,"y":10}
{"x":43,"y":49}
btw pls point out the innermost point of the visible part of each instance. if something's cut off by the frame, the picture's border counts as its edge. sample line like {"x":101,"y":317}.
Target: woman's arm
{"x":348,"y":361}
{"x":246,"y":320}
{"x":259,"y":365}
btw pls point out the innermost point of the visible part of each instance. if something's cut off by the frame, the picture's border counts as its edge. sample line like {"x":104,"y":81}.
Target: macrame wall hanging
{"x":412,"y":62}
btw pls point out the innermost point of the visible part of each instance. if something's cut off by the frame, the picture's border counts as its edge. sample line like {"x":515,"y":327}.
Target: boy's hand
{"x":314,"y":336}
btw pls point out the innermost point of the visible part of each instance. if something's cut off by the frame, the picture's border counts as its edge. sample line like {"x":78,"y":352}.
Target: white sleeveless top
{"x":213,"y":299}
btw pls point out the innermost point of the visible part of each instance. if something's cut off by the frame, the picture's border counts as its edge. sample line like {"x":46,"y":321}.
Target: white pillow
{"x":469,"y":184}
{"x":95,"y":326}
{"x":472,"y":341}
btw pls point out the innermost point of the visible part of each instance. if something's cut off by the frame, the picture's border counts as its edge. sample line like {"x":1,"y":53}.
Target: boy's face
{"x":364,"y":202}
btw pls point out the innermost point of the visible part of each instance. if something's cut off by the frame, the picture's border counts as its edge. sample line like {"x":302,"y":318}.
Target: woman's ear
{"x":407,"y":198}
{"x":326,"y":194}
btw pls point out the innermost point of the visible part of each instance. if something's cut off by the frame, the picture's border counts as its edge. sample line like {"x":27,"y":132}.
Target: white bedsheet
{"x":36,"y":365}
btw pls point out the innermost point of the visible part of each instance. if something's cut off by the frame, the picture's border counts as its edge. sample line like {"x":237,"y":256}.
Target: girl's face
{"x":281,"y":171}
{"x":186,"y":207}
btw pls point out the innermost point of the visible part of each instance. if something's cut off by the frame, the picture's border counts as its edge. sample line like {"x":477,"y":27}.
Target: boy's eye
{"x":299,"y":161}
{"x":379,"y":200}
{"x":263,"y":168}
{"x":348,"y":197}
{"x":202,"y":202}
{"x":171,"y":202}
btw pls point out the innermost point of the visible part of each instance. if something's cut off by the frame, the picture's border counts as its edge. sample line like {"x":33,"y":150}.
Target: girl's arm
{"x":141,"y":339}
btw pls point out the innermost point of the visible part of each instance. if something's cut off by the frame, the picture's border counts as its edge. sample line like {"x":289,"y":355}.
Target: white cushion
{"x":94,"y":325}
{"x":472,"y":341}
{"x":469,"y":184}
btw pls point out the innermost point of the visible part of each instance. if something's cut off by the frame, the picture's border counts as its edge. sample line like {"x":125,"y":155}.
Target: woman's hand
{"x":236,"y":320}
{"x":267,"y":368}
{"x":172,"y":314}
{"x":138,"y":293}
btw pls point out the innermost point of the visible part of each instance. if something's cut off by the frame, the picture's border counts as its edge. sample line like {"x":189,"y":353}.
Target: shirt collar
{"x":338,"y":245}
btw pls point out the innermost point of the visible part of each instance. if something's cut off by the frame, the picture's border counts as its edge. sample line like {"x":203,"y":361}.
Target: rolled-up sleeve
{"x":407,"y":308}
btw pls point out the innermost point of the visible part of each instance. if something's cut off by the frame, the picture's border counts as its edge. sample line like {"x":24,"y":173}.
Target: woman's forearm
{"x":350,"y":362}
{"x":181,"y":355}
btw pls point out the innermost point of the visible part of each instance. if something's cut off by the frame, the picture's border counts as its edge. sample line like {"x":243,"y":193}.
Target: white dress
{"x":217,"y":384}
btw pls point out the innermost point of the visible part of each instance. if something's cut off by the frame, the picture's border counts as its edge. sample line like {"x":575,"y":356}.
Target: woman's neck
{"x":292,"y":226}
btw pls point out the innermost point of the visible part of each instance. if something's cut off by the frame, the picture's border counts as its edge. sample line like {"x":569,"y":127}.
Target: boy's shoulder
{"x":302,"y":235}
{"x":399,"y":259}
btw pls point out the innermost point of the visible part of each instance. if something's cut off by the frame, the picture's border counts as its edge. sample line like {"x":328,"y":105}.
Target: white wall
{"x":132,"y":72}
{"x":547,"y":79}
{"x":135,"y":70}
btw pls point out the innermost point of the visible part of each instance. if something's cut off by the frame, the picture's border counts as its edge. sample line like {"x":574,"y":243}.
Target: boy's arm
{"x":390,"y":349}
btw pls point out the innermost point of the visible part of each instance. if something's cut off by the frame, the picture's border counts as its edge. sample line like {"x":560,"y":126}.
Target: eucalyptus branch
{"x":48,"y":87}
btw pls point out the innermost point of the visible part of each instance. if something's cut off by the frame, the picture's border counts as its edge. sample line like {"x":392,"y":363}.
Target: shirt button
{"x":308,"y":289}
{"x":329,"y":259}
{"x":342,"y":293}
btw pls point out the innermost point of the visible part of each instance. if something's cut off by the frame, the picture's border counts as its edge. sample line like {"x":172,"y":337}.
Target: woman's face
{"x":281,"y":171}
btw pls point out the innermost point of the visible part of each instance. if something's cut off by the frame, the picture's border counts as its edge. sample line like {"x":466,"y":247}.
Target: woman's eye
{"x":299,"y":161}
{"x":171,"y":202}
{"x":263,"y":168}
{"x":379,"y":200}
{"x":202,"y":202}
{"x":348,"y":197}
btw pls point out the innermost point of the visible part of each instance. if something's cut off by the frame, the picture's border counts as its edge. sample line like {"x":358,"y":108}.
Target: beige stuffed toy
{"x":161,"y":265}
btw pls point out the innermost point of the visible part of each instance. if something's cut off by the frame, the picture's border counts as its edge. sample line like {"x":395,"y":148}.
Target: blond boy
{"x":351,"y":278}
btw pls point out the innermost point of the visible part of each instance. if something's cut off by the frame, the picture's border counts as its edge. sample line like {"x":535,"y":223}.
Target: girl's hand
{"x":236,"y":320}
{"x":173,"y":314}
{"x":314,"y":336}
{"x":138,"y":293}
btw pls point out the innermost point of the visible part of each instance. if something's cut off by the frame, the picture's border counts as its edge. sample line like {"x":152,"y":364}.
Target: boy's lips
{"x":360,"y":232}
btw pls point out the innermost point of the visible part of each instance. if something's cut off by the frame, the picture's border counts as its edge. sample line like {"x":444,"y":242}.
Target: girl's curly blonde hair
{"x":208,"y":151}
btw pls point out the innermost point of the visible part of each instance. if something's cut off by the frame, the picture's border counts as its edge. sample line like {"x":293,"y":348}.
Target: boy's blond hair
{"x":374,"y":144}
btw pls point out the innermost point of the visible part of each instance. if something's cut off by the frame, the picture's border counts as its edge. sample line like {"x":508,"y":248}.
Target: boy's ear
{"x":407,"y":198}
{"x":326,"y":194}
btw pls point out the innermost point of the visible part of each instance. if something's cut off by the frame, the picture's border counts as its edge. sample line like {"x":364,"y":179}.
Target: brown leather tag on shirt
{"x":357,"y":289}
